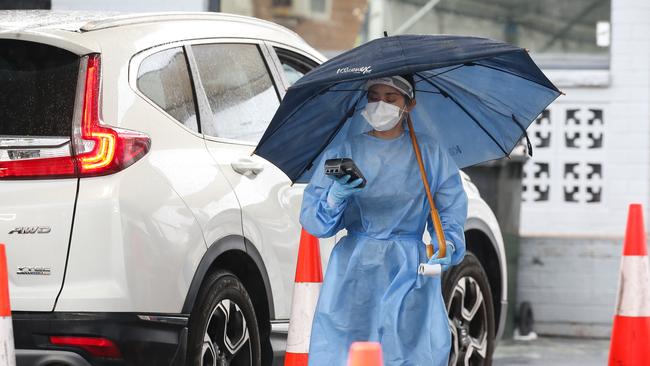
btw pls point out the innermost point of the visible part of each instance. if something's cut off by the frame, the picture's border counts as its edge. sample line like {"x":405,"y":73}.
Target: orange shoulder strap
{"x":435,"y":217}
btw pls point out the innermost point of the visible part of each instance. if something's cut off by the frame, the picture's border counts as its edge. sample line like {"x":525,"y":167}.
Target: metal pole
{"x":570,"y":23}
{"x":214,"y":5}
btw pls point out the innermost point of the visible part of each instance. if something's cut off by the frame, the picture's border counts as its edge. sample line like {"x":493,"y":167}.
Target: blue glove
{"x":444,"y":262}
{"x":341,"y":189}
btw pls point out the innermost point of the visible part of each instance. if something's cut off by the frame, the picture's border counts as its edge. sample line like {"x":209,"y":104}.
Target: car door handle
{"x":247,"y":167}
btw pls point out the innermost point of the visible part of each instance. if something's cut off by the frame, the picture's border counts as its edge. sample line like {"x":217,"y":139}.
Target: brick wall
{"x":335,"y":32}
{"x":579,"y":184}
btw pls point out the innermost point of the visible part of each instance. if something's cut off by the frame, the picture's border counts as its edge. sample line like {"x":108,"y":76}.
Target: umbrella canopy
{"x":475,"y":96}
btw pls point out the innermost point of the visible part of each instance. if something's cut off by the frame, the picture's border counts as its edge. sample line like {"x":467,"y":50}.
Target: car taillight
{"x":99,"y":149}
{"x":96,"y":149}
{"x":96,"y":347}
{"x":55,"y":167}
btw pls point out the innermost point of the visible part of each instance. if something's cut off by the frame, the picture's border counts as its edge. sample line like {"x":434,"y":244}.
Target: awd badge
{"x":31,"y":230}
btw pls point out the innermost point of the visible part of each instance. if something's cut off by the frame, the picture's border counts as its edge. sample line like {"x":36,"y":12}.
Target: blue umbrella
{"x":476,"y":96}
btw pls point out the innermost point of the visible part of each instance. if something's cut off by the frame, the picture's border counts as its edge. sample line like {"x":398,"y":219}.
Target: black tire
{"x":466,"y":286}
{"x":525,"y":320}
{"x":223,"y":308}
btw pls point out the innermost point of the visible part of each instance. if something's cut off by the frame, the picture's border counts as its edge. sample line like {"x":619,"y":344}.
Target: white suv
{"x":139,"y":228}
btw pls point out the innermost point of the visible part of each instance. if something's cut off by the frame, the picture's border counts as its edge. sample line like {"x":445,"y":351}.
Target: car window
{"x":239,"y":89}
{"x":38,"y":85}
{"x":293,"y":64}
{"x":164,"y":78}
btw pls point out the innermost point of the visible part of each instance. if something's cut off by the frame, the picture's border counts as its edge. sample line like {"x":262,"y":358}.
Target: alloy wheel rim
{"x":468,"y":323}
{"x":226,"y":340}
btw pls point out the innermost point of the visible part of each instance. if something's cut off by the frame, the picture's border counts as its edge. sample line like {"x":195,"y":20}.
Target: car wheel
{"x":223,"y":327}
{"x":471,"y":315}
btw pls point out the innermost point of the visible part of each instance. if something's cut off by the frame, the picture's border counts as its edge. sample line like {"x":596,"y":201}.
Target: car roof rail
{"x":141,"y":18}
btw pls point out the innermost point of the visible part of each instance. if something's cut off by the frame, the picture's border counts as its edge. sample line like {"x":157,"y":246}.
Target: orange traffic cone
{"x":7,"y":352}
{"x":309,"y":278}
{"x":365,"y":354}
{"x":631,"y":332}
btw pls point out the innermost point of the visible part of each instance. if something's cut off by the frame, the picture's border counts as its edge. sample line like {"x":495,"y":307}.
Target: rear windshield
{"x":37,"y":89}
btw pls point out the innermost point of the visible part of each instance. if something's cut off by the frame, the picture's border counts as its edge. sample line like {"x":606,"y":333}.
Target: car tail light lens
{"x":55,"y":167}
{"x":99,"y":149}
{"x":96,"y":149}
{"x":96,"y":347}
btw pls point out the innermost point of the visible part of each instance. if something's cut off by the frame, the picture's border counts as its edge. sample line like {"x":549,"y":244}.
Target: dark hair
{"x":411,"y":80}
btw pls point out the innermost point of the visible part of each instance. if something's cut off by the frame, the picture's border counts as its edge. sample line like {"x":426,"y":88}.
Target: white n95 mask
{"x":382,"y":116}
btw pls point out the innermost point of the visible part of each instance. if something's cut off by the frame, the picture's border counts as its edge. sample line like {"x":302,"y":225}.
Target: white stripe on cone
{"x":7,"y":353}
{"x":633,"y":294}
{"x":303,"y":307}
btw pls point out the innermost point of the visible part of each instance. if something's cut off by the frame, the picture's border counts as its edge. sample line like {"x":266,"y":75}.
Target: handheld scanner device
{"x":344,"y":166}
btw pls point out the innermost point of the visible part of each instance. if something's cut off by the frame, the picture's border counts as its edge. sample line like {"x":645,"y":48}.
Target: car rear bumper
{"x":46,"y":358}
{"x":142,"y":339}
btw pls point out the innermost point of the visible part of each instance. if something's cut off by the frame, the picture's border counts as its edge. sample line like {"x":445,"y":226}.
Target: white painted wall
{"x":625,"y":154}
{"x":570,"y":251}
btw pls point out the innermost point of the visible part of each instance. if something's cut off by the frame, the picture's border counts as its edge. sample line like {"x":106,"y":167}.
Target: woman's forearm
{"x":317,"y":216}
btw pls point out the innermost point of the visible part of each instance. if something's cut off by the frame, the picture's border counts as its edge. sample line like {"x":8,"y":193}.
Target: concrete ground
{"x":544,"y":351}
{"x":555,"y":351}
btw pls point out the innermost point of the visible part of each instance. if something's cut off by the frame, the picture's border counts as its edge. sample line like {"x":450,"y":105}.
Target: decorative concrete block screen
{"x":567,"y":165}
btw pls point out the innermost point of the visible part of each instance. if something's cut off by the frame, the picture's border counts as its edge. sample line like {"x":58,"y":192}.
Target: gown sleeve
{"x":451,"y":201}
{"x":316,"y":215}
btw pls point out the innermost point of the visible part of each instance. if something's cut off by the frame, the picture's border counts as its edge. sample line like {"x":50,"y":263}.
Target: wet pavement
{"x":555,"y":351}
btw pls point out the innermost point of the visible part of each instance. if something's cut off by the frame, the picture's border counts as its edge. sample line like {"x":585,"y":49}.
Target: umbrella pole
{"x":435,"y":217}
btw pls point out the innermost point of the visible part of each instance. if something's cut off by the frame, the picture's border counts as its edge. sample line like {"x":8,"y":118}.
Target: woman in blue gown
{"x":371,"y":290}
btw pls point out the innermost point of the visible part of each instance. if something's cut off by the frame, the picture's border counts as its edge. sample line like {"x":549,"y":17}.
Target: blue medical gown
{"x":371,"y":290}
